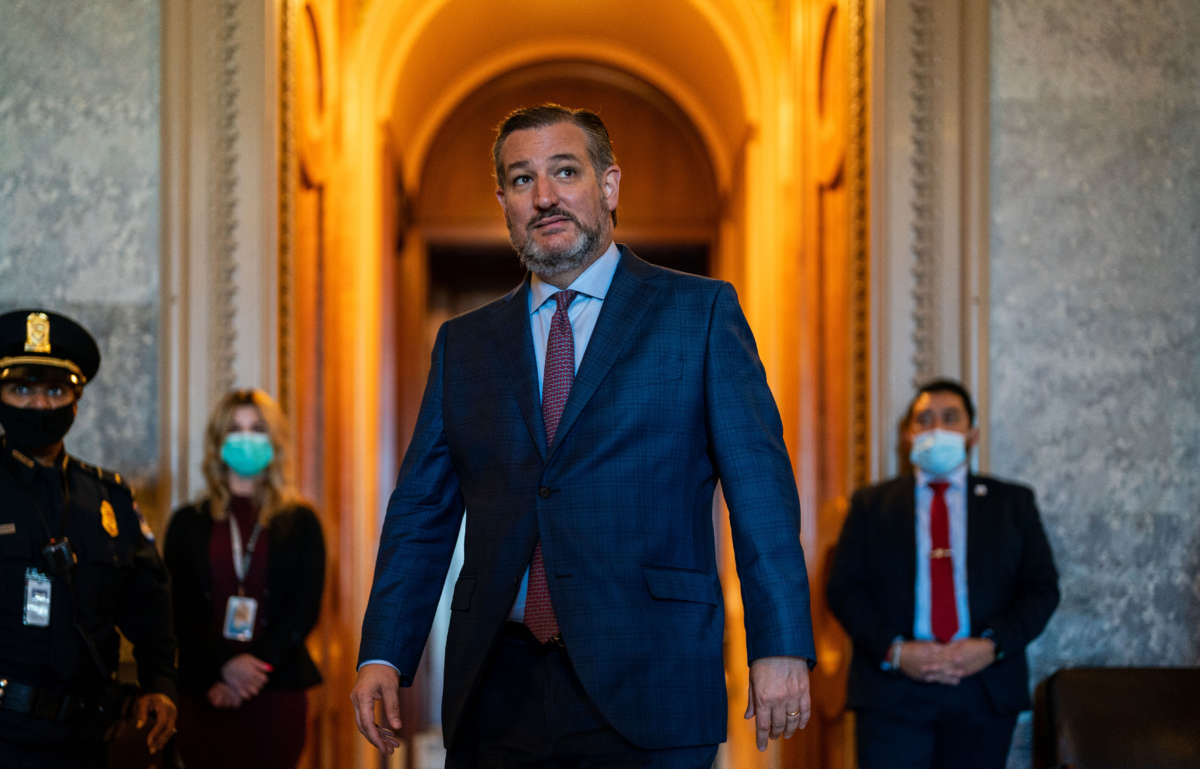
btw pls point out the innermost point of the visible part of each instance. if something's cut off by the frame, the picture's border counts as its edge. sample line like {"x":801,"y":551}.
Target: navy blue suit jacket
{"x":1012,"y":586}
{"x":670,"y":397}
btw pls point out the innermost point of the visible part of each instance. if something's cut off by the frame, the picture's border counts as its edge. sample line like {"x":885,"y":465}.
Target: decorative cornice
{"x":923,"y":164}
{"x":858,"y":193}
{"x":222,"y":300}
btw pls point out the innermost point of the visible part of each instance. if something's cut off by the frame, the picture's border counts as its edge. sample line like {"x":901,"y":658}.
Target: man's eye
{"x":567,"y":172}
{"x":519,"y":181}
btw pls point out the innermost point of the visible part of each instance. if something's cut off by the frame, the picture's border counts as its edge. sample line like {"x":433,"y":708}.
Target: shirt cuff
{"x":886,"y":664}
{"x":379,"y":662}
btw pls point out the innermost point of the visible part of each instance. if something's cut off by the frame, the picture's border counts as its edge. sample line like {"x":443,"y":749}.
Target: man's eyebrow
{"x":560,"y":157}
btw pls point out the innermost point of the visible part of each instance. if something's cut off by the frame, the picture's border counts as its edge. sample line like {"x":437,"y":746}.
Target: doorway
{"x":731,"y":131}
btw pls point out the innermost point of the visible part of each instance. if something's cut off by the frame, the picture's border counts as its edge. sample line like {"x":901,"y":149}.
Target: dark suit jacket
{"x":1012,"y":585}
{"x":669,"y":398}
{"x":295,"y":581}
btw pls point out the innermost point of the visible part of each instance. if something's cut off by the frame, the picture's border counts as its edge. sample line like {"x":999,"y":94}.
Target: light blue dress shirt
{"x":956,"y":506}
{"x":592,"y":286}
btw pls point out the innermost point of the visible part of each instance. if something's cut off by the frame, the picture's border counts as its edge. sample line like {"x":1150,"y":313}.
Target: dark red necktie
{"x":942,"y":610}
{"x":557,"y":378}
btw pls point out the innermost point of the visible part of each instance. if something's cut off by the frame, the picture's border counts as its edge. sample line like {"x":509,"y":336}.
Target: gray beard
{"x":547,"y":264}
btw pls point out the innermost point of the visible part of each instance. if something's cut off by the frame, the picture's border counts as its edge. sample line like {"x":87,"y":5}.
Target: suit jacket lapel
{"x":907,"y":533}
{"x":978,"y":540}
{"x":621,"y":316}
{"x":512,"y":344}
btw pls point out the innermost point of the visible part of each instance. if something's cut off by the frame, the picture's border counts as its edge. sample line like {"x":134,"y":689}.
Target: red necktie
{"x":943,"y":613}
{"x":557,"y":378}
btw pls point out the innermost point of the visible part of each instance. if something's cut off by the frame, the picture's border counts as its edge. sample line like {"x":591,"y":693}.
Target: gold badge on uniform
{"x":108,"y":518}
{"x":37,"y":332}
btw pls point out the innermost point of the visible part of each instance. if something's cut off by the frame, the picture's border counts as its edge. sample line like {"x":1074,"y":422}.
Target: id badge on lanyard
{"x":37,"y":598}
{"x":240,"y":610}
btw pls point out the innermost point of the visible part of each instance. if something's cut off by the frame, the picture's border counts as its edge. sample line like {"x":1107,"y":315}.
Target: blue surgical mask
{"x":937,"y":452}
{"x":247,"y":453}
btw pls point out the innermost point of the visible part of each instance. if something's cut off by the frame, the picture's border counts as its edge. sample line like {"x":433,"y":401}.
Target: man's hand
{"x":158,"y":708}
{"x":221,"y":696}
{"x":377,"y":683}
{"x":246,"y":675}
{"x":779,"y":699}
{"x":967,"y":656}
{"x":927,"y":661}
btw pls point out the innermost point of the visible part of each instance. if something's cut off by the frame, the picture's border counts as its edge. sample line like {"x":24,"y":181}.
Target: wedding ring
{"x":794,"y":715}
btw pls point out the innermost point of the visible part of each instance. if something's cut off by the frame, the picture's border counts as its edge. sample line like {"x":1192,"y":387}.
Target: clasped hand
{"x":949,"y":663}
{"x":242,"y":677}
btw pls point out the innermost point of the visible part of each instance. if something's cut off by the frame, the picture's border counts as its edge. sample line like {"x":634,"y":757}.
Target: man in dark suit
{"x":941,"y":578}
{"x":583,"y":421}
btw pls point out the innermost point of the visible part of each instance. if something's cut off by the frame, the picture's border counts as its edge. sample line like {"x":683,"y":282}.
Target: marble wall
{"x":80,"y":201}
{"x":1095,"y":350}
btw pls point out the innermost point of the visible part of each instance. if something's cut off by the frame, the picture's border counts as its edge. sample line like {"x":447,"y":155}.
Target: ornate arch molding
{"x":930,"y":235}
{"x":606,"y":53}
{"x":220,"y":230}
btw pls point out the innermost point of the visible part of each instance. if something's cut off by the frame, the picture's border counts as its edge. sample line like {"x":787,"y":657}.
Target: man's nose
{"x":544,"y":193}
{"x":40,"y":399}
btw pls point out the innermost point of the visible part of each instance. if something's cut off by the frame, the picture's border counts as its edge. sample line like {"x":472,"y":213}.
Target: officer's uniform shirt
{"x":119,"y":582}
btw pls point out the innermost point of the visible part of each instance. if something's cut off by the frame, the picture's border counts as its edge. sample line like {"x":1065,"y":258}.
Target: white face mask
{"x":937,"y":451}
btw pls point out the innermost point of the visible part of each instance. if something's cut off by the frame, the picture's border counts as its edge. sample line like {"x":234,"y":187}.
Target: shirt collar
{"x":593,"y":282}
{"x":957,"y":478}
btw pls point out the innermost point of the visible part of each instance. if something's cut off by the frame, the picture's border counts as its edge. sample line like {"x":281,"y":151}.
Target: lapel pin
{"x":980,"y":490}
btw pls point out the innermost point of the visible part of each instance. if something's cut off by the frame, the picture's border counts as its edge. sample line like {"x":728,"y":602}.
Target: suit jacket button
{"x":544,"y":492}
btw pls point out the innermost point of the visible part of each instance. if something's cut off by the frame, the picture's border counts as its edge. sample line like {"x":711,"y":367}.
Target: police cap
{"x":34,"y":343}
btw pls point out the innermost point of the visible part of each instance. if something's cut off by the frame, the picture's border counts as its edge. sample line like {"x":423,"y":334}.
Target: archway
{"x":669,"y":212}
{"x":760,"y":93}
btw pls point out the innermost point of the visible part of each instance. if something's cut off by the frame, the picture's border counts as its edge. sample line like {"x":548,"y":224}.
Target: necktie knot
{"x":564,"y":299}
{"x":939,"y":487}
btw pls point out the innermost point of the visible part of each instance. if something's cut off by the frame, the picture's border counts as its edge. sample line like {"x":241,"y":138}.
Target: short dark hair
{"x":943,"y":385}
{"x":599,"y":145}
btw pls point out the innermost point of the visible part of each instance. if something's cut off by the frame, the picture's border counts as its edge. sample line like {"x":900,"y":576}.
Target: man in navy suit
{"x":941,"y":578}
{"x":582,"y":422}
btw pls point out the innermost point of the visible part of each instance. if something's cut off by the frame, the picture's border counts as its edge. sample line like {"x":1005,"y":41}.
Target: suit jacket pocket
{"x":463,"y":590}
{"x":670,"y":584}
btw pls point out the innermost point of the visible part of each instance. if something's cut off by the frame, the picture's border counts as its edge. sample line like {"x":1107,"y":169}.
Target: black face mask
{"x":33,"y":429}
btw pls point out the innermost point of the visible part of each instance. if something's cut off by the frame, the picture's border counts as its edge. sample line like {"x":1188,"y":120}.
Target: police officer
{"x":77,"y":563}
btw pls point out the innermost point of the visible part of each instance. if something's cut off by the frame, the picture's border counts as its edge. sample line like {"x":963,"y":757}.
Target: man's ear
{"x":972,"y":438}
{"x":610,"y":184}
{"x":500,"y":196}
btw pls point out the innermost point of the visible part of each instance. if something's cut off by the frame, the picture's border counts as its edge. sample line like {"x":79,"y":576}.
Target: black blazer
{"x":295,"y":581}
{"x":1011,"y":582}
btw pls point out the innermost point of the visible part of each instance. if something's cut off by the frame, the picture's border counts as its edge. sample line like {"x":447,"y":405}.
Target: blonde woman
{"x":247,"y":566}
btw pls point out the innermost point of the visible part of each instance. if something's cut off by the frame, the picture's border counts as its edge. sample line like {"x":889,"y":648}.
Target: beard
{"x":548,"y":262}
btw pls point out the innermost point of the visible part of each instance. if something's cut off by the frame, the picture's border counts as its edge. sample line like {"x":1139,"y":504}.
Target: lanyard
{"x":241,"y":561}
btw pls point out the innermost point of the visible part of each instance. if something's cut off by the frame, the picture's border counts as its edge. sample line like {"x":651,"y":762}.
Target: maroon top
{"x":244,"y":511}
